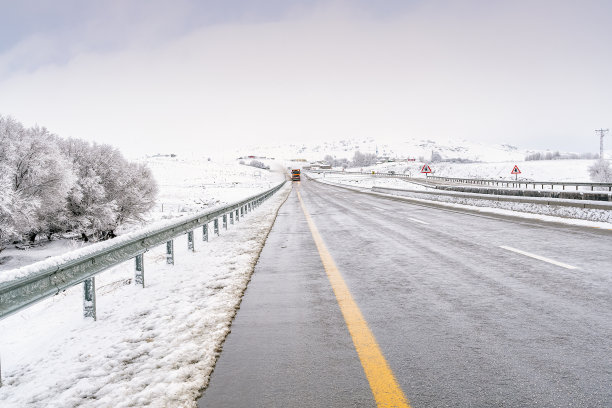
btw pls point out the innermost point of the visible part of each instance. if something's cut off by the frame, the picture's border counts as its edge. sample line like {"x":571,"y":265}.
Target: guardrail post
{"x":170,"y":252}
{"x":232,"y":217}
{"x":205,"y":232}
{"x":139,"y":277}
{"x":89,"y":298}
{"x":224,"y":221}
{"x":190,"y":246}
{"x":242,"y":210}
{"x":216,"y":226}
{"x":237,"y":216}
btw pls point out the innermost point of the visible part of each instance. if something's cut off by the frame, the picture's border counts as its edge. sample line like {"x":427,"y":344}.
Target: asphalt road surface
{"x":468,"y":309}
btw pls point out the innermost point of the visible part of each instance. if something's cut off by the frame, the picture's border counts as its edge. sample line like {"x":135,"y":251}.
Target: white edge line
{"x":541,"y":258}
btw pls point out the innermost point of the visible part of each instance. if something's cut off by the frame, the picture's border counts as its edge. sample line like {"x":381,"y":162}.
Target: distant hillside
{"x":408,"y":148}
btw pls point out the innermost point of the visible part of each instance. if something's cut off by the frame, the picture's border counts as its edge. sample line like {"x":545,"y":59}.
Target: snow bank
{"x":154,"y":346}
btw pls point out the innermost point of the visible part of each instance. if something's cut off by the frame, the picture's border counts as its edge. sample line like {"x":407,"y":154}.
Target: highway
{"x":463,"y":309}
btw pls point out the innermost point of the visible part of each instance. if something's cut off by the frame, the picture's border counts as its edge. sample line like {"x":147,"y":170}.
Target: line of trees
{"x":559,"y":156}
{"x":51,"y":185}
{"x":359,"y":160}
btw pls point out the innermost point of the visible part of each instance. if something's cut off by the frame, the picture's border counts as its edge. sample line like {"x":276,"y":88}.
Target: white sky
{"x":186,"y":77}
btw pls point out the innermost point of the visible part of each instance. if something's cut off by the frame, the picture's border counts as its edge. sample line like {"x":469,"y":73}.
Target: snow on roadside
{"x":599,"y":218}
{"x":536,"y":170}
{"x":154,"y":346}
{"x":186,"y":185}
{"x":194,"y":183}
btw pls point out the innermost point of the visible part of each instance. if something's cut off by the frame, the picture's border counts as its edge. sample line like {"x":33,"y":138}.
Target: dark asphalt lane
{"x":288,"y":346}
{"x":461,"y":321}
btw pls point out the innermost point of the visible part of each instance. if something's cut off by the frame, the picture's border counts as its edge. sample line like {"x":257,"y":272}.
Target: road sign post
{"x":516,"y":172}
{"x":426,"y":169}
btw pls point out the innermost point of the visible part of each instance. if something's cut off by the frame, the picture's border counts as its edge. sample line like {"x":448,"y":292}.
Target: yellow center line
{"x":385,"y":388}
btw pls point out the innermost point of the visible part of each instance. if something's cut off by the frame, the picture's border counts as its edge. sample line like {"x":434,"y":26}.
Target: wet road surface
{"x":468,"y":309}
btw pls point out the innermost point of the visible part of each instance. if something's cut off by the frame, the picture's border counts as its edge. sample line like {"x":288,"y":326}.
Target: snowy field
{"x":154,"y":346}
{"x":540,"y":170}
{"x":193,"y":184}
{"x":186,"y":185}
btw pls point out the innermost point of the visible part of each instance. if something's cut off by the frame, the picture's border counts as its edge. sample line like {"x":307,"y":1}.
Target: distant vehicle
{"x":295,"y":175}
{"x":391,"y":172}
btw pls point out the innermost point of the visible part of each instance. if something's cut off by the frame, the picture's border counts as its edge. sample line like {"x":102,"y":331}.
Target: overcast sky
{"x":183,"y":75}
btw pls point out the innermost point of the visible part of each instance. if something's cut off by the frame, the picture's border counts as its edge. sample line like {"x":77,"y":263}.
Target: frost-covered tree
{"x":38,"y":177}
{"x":332,"y":161}
{"x":44,"y":177}
{"x":138,"y":191}
{"x":363,"y":159}
{"x":109,"y":190}
{"x":258,"y":164}
{"x":601,"y":172}
{"x":50,"y":185}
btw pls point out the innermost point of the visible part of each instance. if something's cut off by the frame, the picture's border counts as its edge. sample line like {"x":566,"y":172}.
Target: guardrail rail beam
{"x":48,"y":281}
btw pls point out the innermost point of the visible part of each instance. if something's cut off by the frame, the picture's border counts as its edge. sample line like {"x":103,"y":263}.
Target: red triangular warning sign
{"x":515,"y":170}
{"x":425,"y":169}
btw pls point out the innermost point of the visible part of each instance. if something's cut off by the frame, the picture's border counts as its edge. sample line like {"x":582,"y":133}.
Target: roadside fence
{"x":51,"y":279}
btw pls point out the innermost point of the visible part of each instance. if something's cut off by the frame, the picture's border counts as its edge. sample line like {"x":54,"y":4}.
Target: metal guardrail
{"x":20,"y":293}
{"x":550,"y":201}
{"x":517,"y":199}
{"x":486,"y":182}
{"x":519,"y":183}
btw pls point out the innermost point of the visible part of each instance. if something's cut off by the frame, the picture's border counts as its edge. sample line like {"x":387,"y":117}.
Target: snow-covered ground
{"x":541,"y":170}
{"x":154,"y":346}
{"x":186,"y":185}
{"x":407,"y":147}
{"x":390,"y":147}
{"x":193,"y":184}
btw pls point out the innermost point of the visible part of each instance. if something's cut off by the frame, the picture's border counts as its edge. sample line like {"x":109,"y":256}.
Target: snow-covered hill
{"x":407,"y":148}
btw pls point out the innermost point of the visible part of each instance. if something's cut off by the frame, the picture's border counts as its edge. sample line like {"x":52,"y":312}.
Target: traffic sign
{"x":515,"y":170}
{"x":425,"y":169}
